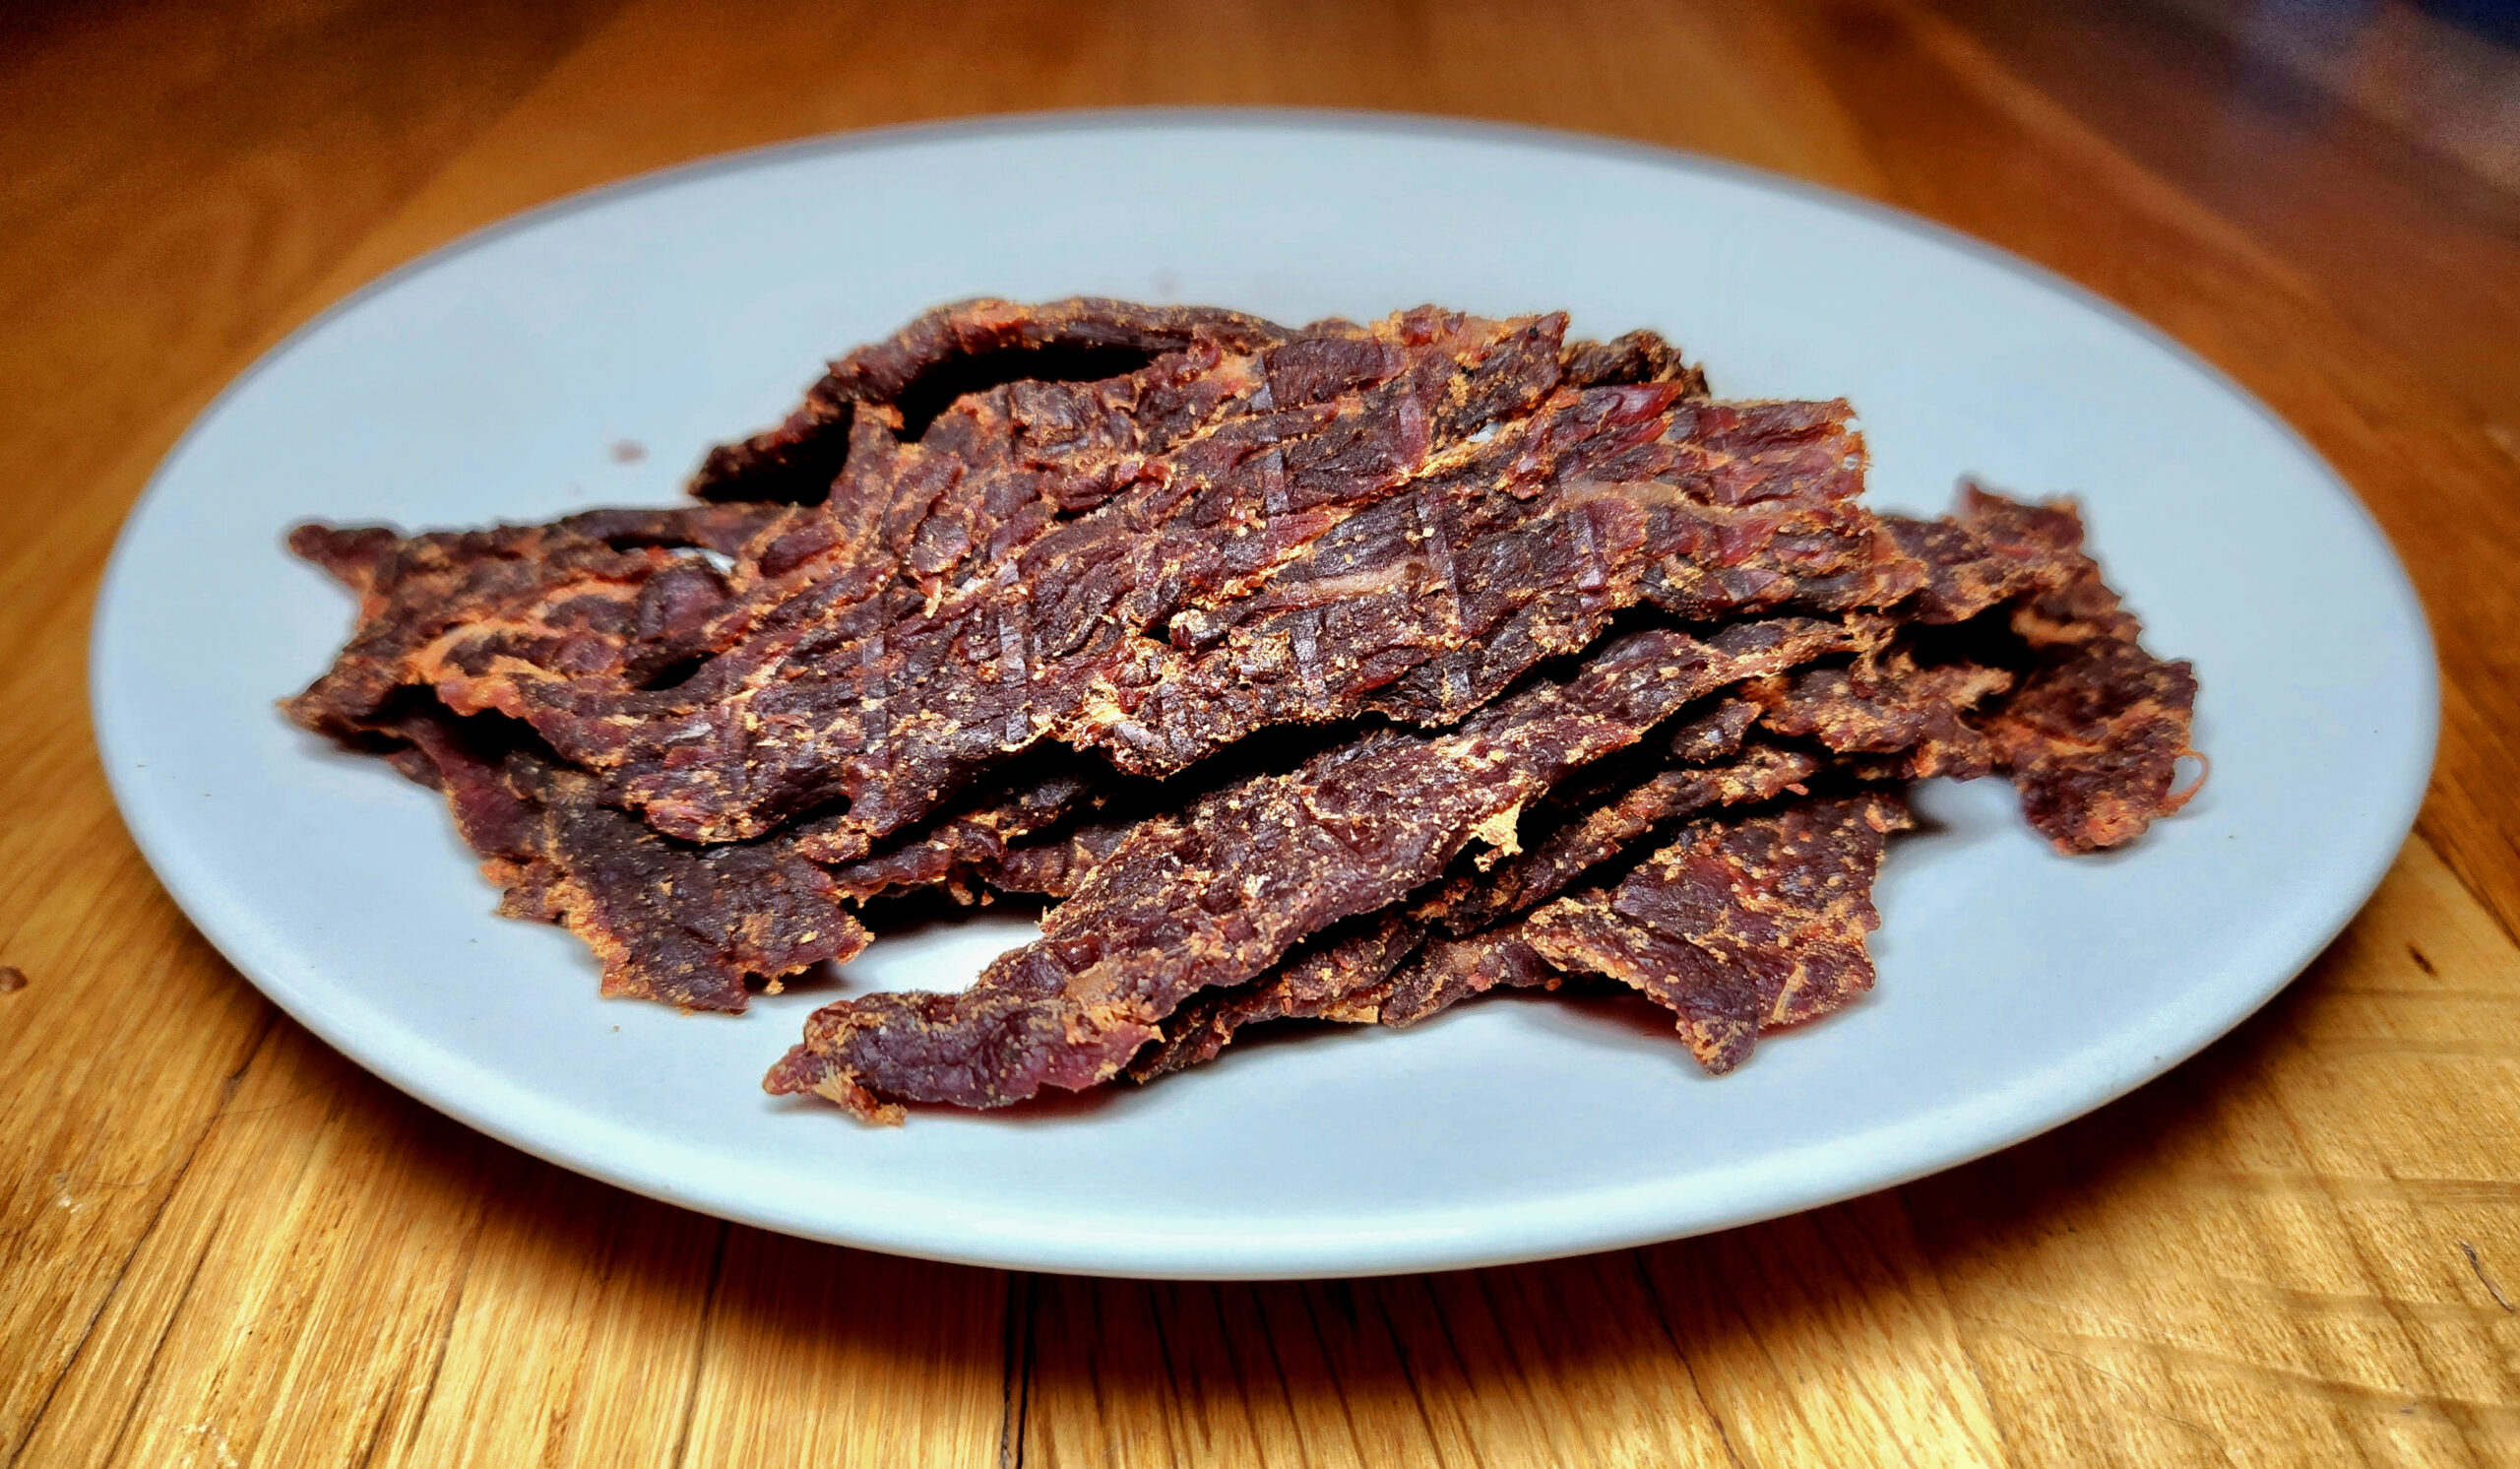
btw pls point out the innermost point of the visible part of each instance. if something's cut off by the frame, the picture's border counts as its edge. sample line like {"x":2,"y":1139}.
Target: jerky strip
{"x":2092,"y":738}
{"x":958,"y":851}
{"x":680,"y":925}
{"x":1740,"y":925}
{"x":1220,"y":894}
{"x":1374,"y":967}
{"x":896,"y":713}
{"x":1426,"y":605}
{"x":2092,"y":742}
{"x":1887,"y":703}
{"x":622,"y":592}
{"x":1336,"y":974}
{"x":1055,"y":866}
{"x":798,"y":460}
{"x":1601,"y":830}
{"x":1521,"y":569}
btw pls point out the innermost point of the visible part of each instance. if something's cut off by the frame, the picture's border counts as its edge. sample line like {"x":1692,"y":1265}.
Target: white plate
{"x":2018,"y":988}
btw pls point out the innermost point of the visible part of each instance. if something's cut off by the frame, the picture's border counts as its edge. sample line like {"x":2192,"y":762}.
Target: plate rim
{"x":1766,"y":1190}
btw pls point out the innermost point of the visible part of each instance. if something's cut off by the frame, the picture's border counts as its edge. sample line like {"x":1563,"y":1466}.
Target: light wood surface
{"x":222,"y":1245}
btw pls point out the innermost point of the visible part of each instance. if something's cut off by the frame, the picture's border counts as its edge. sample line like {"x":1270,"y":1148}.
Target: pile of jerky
{"x":1338,"y":672}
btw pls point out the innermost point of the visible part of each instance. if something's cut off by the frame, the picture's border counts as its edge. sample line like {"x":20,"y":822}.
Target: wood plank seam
{"x":1021,"y":1291}
{"x":1278,"y":1368}
{"x":1408,"y":1369}
{"x":149,"y":1372}
{"x":1663,"y":1318}
{"x":228,"y":1088}
{"x":2467,"y":884}
{"x":2285,"y":1379}
{"x":1173,"y":1378}
{"x":437,"y":1359}
{"x":700,"y":1342}
{"x":2133,"y":1391}
{"x":1312,"y":1298}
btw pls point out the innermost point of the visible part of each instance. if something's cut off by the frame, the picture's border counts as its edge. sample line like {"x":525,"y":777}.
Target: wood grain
{"x":222,"y":1245}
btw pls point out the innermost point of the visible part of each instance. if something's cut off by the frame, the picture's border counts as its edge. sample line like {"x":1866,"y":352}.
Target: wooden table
{"x":221,"y":1243}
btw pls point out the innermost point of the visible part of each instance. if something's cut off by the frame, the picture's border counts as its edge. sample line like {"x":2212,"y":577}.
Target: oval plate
{"x":495,"y":378}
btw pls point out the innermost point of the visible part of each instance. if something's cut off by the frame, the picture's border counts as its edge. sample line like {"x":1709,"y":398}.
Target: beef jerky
{"x":972,"y":684}
{"x":1886,"y":702}
{"x":1346,"y":974}
{"x":1421,"y":607}
{"x":1550,"y":864}
{"x":2093,"y":737}
{"x":1426,"y":605}
{"x":1450,"y":970}
{"x":798,"y":460}
{"x":1738,"y":927}
{"x":1637,"y":357}
{"x":1409,"y":961}
{"x":959,"y":852}
{"x":2093,"y":740}
{"x":619,"y":591}
{"x":896,"y":712}
{"x":670,"y":922}
{"x":2087,"y":725}
{"x":1001,"y":469}
{"x":1336,"y":974}
{"x":1554,"y":832}
{"x":1963,"y":572}
{"x":1832,"y":556}
{"x":1221,"y":893}
{"x":1004,"y":466}
{"x":2060,"y":597}
{"x":1942,"y":571}
{"x":1055,"y":866}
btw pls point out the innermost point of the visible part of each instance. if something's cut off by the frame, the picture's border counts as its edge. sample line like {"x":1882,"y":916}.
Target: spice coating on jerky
{"x":1221,"y":893}
{"x":1258,"y":572}
{"x":1738,"y":927}
{"x":614,"y":593}
{"x":673,"y":923}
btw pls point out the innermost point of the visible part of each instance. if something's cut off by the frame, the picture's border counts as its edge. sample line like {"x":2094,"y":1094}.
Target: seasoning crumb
{"x":11,"y":979}
{"x":628,"y":451}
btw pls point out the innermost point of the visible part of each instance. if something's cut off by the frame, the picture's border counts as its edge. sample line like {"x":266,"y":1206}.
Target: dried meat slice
{"x":896,"y":712}
{"x":1420,"y":956}
{"x":964,"y":347}
{"x":1421,"y":606}
{"x":623,"y":593}
{"x":1450,"y":970}
{"x":1426,"y":605}
{"x":1886,"y":702}
{"x":1055,"y":866}
{"x":1407,"y":961}
{"x":1738,"y":927}
{"x":675,"y":924}
{"x":1640,"y":356}
{"x":1336,"y":974}
{"x":1223,"y":892}
{"x":1601,"y":829}
{"x":2093,"y":735}
{"x":2093,"y":740}
{"x":961,"y":852}
{"x":949,"y":352}
{"x":910,"y":522}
